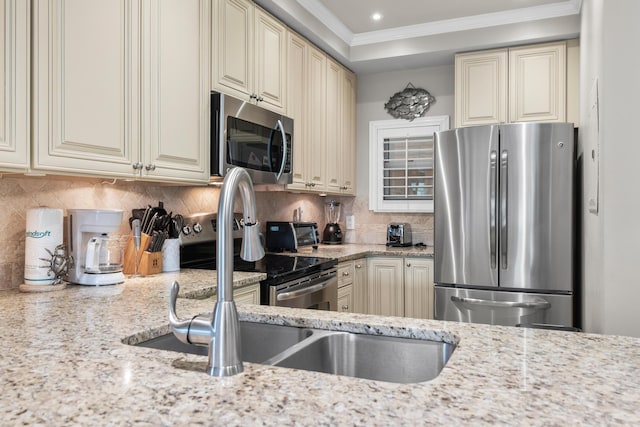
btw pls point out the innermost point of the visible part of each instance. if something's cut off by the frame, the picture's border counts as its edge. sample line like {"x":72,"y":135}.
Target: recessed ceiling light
{"x":376,"y":16}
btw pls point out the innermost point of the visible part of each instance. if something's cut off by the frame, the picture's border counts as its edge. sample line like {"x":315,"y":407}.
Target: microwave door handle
{"x":284,"y":149}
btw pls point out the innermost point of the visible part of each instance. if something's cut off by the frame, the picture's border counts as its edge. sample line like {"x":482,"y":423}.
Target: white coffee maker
{"x":96,"y":258}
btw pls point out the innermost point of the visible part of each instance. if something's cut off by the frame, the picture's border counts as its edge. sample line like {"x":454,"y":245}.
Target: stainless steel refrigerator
{"x":504,"y":224}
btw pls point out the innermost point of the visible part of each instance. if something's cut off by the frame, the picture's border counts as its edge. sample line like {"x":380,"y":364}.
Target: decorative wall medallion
{"x":409,"y":104}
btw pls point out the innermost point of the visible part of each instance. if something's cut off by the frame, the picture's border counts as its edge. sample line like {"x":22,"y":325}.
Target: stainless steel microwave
{"x":249,"y":136}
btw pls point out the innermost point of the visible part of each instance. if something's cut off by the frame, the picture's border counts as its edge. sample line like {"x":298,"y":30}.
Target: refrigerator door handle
{"x":539,"y":304}
{"x":493,"y":173}
{"x":504,"y":169}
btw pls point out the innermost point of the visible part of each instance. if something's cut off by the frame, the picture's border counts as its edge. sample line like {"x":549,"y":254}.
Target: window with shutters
{"x":401,"y":164}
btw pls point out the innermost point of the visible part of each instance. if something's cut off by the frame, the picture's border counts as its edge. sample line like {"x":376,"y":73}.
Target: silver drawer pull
{"x":539,"y":304}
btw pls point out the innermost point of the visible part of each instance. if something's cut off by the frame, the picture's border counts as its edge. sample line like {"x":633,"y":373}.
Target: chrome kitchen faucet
{"x":221,"y":333}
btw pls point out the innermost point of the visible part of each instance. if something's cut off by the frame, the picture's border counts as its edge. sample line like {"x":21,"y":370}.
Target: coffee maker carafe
{"x":96,"y":258}
{"x":332,"y":234}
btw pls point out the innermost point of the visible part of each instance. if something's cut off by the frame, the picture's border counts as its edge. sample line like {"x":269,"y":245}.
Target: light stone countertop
{"x":351,"y":251}
{"x":63,"y":362}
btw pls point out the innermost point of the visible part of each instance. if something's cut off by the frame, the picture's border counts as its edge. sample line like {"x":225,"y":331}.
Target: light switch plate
{"x":351,"y":222}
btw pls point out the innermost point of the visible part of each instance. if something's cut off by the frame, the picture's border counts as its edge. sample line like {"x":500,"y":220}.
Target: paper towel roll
{"x":44,"y":230}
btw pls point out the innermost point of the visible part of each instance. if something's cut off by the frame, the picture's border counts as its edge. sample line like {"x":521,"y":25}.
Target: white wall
{"x":374,"y":90}
{"x":609,"y":52}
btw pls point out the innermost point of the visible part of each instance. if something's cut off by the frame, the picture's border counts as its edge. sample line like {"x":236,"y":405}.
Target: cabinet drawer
{"x":346,"y":270}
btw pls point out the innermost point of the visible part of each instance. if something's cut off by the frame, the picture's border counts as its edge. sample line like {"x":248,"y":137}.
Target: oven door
{"x":318,"y":291}
{"x":248,"y":136}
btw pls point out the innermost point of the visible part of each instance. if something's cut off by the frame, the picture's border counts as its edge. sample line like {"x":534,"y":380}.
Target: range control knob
{"x":186,"y":230}
{"x":197,"y":228}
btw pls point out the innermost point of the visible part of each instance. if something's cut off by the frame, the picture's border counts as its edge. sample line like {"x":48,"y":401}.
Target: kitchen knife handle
{"x":136,"y":234}
{"x":493,"y":173}
{"x":504,"y":205}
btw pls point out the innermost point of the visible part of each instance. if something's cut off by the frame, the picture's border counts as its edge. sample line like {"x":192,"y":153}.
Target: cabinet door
{"x":14,"y":84}
{"x":345,"y":299}
{"x":360,"y":284}
{"x":418,"y":288}
{"x":386,"y":288}
{"x":481,"y":88}
{"x":346,"y":272}
{"x":176,"y":90}
{"x":537,"y":83}
{"x":334,"y":143}
{"x":247,"y":295}
{"x":233,"y":23}
{"x":315,"y":95}
{"x":270,"y":61}
{"x":86,"y":86}
{"x":297,"y":66}
{"x":348,"y":120}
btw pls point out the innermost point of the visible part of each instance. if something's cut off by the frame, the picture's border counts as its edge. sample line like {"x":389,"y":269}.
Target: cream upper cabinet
{"x":306,"y":103}
{"x":520,"y":84}
{"x":418,"y":288}
{"x":385,"y":288}
{"x":86,"y":85}
{"x":537,"y":83}
{"x":297,"y":106}
{"x":334,"y":144}
{"x":120,"y":88}
{"x":175,"y":90}
{"x":481,"y":88}
{"x":249,"y":52}
{"x":348,"y":127}
{"x":14,"y":90}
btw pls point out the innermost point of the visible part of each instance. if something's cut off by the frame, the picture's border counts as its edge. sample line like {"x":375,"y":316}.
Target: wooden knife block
{"x":130,"y":254}
{"x":150,"y":263}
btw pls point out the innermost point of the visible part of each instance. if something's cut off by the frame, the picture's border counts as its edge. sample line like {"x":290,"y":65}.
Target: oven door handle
{"x":295,"y":294}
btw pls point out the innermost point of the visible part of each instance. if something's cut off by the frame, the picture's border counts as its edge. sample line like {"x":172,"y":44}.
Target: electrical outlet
{"x":351,"y":222}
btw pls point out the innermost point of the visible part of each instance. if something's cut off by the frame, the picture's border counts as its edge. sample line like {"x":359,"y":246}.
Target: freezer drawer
{"x":501,"y":307}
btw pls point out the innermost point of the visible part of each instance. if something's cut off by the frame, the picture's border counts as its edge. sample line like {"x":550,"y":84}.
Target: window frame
{"x":378,"y":131}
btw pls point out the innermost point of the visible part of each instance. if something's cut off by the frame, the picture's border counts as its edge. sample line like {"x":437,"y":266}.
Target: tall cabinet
{"x":14,"y":90}
{"x":121,"y":88}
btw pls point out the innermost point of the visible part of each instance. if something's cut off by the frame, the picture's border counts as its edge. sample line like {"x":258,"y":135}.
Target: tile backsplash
{"x":19,"y":193}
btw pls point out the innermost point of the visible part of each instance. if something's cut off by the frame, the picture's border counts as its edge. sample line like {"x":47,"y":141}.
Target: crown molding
{"x":535,"y":13}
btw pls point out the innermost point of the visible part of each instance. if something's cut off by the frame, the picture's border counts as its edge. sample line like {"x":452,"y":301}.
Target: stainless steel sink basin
{"x":374,"y":357}
{"x":398,"y":360}
{"x":260,"y":341}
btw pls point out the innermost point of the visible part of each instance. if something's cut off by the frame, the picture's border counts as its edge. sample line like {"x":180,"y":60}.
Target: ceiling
{"x":420,"y":33}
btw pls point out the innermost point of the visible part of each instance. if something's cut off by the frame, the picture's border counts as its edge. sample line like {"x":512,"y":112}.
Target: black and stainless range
{"x":292,"y":280}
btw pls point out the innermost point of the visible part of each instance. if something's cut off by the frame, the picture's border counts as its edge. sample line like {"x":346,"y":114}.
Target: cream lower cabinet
{"x":419,"y":293}
{"x":385,"y":288}
{"x":121,"y":88}
{"x":400,"y":286}
{"x":352,"y":286}
{"x":247,"y":295}
{"x":520,"y":84}
{"x":14,"y":91}
{"x":249,"y":52}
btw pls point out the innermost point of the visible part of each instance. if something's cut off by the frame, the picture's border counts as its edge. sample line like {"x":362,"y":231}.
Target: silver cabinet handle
{"x":345,"y":308}
{"x":408,"y":264}
{"x":345,"y":273}
{"x":358,"y":266}
{"x":137,"y":165}
{"x":539,"y":304}
{"x":504,"y":188}
{"x":253,"y":96}
{"x":493,"y":172}
{"x":150,"y":167}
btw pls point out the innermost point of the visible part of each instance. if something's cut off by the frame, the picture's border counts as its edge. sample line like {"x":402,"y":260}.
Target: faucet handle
{"x":196,"y":331}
